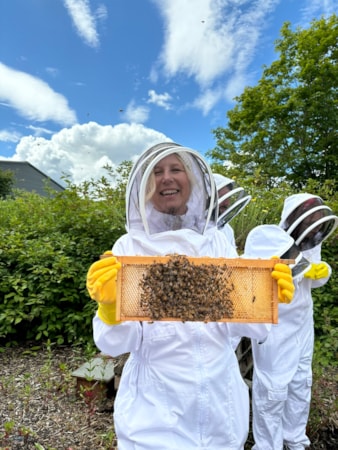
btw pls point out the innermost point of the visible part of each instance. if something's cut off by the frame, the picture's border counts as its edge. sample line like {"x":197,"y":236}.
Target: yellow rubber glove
{"x":282,"y":273}
{"x":107,"y":313}
{"x":322,"y":270}
{"x":101,"y":286}
{"x":311,"y":273}
{"x":317,"y":271}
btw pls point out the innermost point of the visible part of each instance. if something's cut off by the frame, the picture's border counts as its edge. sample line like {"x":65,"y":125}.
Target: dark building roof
{"x":29,"y":178}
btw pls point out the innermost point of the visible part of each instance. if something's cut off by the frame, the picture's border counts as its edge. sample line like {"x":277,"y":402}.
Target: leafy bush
{"x":47,"y":246}
{"x":6,"y":183}
{"x":48,"y":243}
{"x":326,"y":309}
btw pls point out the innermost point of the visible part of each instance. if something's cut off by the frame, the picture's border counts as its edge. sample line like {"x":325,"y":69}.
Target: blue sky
{"x":84,"y":83}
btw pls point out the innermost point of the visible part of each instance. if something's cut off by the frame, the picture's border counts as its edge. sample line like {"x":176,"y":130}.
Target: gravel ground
{"x":42,"y":409}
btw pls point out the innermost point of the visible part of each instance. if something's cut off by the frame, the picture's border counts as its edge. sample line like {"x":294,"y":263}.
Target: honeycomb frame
{"x":254,"y":296}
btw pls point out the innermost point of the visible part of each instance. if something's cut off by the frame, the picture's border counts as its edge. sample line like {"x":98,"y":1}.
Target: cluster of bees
{"x":182,"y":290}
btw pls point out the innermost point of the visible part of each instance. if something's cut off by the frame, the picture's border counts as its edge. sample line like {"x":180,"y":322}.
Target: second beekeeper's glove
{"x":317,"y":271}
{"x":101,"y":286}
{"x":282,"y":273}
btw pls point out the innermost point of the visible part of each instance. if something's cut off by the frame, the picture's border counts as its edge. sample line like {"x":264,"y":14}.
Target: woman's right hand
{"x":101,"y":279}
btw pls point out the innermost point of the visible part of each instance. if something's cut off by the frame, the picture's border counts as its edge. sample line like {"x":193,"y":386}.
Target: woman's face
{"x":172,"y":186}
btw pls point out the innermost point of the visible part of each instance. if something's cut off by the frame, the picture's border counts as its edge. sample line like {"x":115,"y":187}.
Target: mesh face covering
{"x":311,"y":223}
{"x":132,"y":196}
{"x":234,"y":199}
{"x":317,"y":232}
{"x":302,"y":209}
{"x":148,"y":155}
{"x":202,"y":204}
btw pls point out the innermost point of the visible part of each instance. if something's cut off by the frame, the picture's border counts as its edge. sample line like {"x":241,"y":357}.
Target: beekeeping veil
{"x":236,"y":199}
{"x":307,"y":220}
{"x":201,"y":206}
{"x":266,"y":241}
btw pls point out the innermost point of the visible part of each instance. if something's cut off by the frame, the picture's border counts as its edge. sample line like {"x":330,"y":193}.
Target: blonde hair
{"x":185,"y":160}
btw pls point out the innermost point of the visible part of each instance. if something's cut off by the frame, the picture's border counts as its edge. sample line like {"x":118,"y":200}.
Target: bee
{"x":180,"y":289}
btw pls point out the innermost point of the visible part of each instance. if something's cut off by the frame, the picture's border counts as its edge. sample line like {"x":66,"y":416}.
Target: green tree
{"x":286,"y":126}
{"x":6,"y":183}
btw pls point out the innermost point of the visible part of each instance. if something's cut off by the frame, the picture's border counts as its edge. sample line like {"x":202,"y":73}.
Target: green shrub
{"x":326,"y":309}
{"x":47,"y":246}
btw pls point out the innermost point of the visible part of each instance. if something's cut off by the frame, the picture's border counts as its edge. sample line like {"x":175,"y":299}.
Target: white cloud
{"x":84,"y":20}
{"x":207,"y":100}
{"x":315,"y":7}
{"x":9,"y":136}
{"x":39,"y":131}
{"x":80,"y":152}
{"x":162,"y":100}
{"x":32,"y":98}
{"x":136,"y":114}
{"x":207,"y":39}
{"x":101,"y":12}
{"x":235,"y":85}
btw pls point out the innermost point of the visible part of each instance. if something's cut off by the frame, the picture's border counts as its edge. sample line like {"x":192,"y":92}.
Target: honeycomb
{"x":183,"y":288}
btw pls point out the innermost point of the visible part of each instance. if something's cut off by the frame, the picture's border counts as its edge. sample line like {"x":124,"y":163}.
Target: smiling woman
{"x":170,"y":186}
{"x":172,"y":209}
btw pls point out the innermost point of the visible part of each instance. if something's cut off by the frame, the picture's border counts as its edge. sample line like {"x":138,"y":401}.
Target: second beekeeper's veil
{"x":307,"y":220}
{"x":236,"y":199}
{"x":202,"y":204}
{"x":266,"y":241}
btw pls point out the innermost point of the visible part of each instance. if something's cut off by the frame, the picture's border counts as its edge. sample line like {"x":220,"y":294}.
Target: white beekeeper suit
{"x":181,"y":388}
{"x":282,"y":379}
